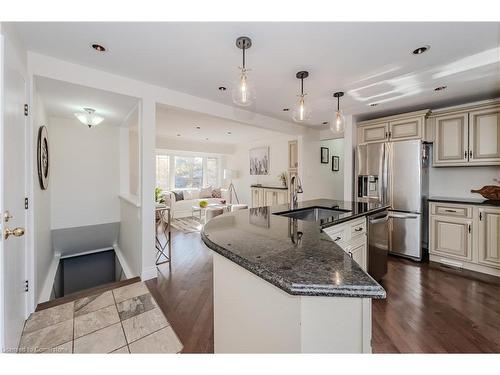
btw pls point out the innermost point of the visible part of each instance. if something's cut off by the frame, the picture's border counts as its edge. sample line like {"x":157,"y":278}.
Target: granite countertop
{"x":270,"y":187}
{"x":475,"y":201}
{"x":294,"y":255}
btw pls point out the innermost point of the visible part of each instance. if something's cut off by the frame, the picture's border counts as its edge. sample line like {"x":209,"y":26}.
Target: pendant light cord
{"x":244,"y":45}
{"x":302,"y":86}
{"x":338,"y":103}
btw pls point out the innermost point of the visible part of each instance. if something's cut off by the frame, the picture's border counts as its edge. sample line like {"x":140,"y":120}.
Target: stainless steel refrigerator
{"x":397,"y":173}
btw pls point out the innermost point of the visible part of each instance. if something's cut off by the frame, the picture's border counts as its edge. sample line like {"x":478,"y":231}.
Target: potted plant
{"x":283,"y":178}
{"x":158,"y":197}
{"x":203,"y":204}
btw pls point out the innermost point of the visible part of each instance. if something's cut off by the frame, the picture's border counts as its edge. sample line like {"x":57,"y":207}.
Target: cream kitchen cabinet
{"x":489,"y":236}
{"x":467,"y":137}
{"x":465,"y":236}
{"x":393,"y":128}
{"x":293,"y":156}
{"x":268,"y":196}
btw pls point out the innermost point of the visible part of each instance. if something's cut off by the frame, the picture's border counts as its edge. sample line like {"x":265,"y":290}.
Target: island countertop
{"x":294,"y":255}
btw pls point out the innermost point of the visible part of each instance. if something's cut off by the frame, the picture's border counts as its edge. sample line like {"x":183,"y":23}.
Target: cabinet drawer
{"x":357,"y":228}
{"x":337,"y":234}
{"x":447,"y":209}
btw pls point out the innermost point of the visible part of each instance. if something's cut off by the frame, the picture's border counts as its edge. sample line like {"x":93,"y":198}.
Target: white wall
{"x":129,"y":238}
{"x":457,"y":182}
{"x":329,"y":184}
{"x":85,"y":175}
{"x":41,"y":204}
{"x":240,"y":161}
{"x":188,"y":145}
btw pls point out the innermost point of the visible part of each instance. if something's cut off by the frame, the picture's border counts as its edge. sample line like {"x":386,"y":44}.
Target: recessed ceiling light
{"x":373,"y":104}
{"x":198,"y":127}
{"x":222,"y":88}
{"x":98,"y":47}
{"x":178,"y":135}
{"x":228,"y":133}
{"x":325,"y":122}
{"x":286,"y":109}
{"x":206,"y":139}
{"x":421,"y":50}
{"x":440,"y":88}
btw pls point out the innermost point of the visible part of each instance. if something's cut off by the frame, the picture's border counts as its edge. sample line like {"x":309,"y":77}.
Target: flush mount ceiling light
{"x":98,"y":47}
{"x":222,"y":88}
{"x":88,"y":117}
{"x":421,"y":50}
{"x":243,"y":92}
{"x":301,"y":113}
{"x":338,"y":123}
{"x":440,"y":88}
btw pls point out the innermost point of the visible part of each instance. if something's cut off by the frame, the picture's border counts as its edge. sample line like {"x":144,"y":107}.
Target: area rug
{"x":187,"y":225}
{"x":123,"y":320}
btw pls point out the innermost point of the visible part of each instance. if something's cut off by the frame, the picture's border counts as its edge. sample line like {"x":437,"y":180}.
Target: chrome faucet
{"x":295,"y":189}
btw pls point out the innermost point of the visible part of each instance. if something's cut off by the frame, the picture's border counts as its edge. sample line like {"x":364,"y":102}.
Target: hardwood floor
{"x":429,"y":309}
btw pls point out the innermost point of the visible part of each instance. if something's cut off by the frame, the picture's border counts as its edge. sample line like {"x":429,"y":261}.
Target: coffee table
{"x":200,"y":211}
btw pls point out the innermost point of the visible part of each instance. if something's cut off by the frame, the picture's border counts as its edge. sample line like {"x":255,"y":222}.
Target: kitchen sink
{"x":313,"y":213}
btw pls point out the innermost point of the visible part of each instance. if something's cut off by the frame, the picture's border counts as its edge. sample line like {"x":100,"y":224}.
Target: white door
{"x":12,"y":178}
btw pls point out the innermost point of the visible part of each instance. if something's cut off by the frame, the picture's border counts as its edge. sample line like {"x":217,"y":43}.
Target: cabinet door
{"x":358,"y":253}
{"x":257,"y":197}
{"x":451,"y":140}
{"x":489,"y":237}
{"x":451,"y":237}
{"x":293,"y":155}
{"x":484,"y":137}
{"x":406,"y":129}
{"x":373,"y":133}
{"x":282,"y":197}
{"x":270,"y":197}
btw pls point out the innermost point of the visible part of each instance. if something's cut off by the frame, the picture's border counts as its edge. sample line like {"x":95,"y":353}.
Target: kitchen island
{"x":282,"y":285}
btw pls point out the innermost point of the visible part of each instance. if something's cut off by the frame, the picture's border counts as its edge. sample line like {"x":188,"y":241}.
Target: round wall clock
{"x":43,"y":157}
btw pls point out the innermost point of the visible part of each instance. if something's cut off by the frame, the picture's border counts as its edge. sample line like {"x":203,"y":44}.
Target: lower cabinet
{"x":264,"y":196}
{"x":489,"y":237}
{"x":351,"y":237}
{"x":466,"y":236}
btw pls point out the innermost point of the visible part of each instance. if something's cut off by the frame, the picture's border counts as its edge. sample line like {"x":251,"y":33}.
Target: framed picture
{"x":325,"y":155}
{"x":335,"y":163}
{"x":42,"y":157}
{"x":259,"y":161}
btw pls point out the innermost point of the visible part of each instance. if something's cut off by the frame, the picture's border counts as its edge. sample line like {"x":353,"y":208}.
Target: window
{"x":212,"y":172}
{"x":188,"y":172}
{"x":163,"y":172}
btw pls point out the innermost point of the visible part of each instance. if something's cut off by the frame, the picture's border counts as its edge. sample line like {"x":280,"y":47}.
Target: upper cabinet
{"x":467,"y":137}
{"x":393,"y":128}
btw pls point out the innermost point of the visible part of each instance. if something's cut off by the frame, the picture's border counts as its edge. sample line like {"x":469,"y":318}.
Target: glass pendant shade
{"x":338,"y":123}
{"x":301,"y":112}
{"x":89,"y":118}
{"x":243,"y":92}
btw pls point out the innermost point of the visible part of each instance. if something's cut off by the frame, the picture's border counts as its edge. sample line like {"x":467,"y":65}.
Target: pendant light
{"x":89,"y":118}
{"x":301,"y":113}
{"x":338,"y":123}
{"x":243,"y":92}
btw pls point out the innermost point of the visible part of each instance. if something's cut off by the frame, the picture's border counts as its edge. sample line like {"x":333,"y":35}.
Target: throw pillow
{"x":206,"y":192}
{"x":216,"y":193}
{"x":179,"y":196}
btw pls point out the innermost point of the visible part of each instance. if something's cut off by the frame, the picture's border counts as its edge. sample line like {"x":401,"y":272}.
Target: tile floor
{"x":122,"y":320}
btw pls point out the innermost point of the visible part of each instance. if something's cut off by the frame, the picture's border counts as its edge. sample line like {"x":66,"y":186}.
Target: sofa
{"x":183,"y":208}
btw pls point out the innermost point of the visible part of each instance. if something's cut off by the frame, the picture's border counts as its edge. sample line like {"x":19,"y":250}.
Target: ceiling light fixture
{"x":301,"y":113}
{"x":88,"y":117}
{"x":286,"y":109}
{"x":243,"y":92}
{"x":229,"y":133}
{"x":338,"y":123}
{"x":198,"y":127}
{"x":440,"y":88}
{"x":325,"y":122}
{"x":373,"y":104}
{"x":98,"y":47}
{"x":222,"y":88}
{"x":421,"y":50}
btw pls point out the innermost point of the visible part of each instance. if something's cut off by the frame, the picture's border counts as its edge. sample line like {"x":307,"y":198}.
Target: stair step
{"x":86,"y":293}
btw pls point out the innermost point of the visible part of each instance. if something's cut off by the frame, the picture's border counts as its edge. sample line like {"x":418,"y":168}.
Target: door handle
{"x":379,"y":220}
{"x":16,"y":232}
{"x":404,"y":216}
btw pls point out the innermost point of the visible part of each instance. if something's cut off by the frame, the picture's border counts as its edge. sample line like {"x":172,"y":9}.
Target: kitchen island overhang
{"x":282,"y":286}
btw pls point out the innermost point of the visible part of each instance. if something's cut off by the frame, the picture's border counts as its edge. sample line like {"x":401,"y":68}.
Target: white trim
{"x":149,"y":273}
{"x":121,"y":258}
{"x":49,"y":280}
{"x":2,"y":259}
{"x":87,"y":252}
{"x":130,"y":198}
{"x":464,"y":265}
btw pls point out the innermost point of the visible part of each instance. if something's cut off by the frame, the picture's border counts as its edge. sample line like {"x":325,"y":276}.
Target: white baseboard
{"x":149,"y":273}
{"x":49,"y":280}
{"x":125,"y":267}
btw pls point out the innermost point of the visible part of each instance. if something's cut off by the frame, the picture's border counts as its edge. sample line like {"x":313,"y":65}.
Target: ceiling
{"x":62,"y":99}
{"x":182,"y":124}
{"x":371,"y":62}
